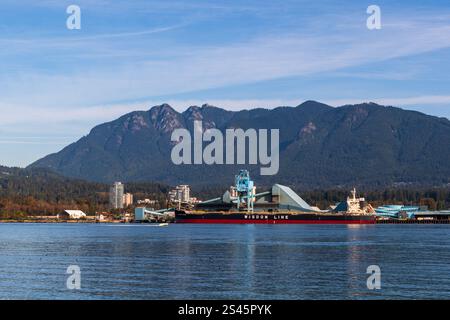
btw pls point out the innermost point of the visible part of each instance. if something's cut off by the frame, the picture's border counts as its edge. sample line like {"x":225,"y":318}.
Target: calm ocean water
{"x":224,"y":261}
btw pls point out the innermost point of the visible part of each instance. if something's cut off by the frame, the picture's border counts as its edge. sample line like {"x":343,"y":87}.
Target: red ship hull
{"x":218,"y":221}
{"x":270,"y":218}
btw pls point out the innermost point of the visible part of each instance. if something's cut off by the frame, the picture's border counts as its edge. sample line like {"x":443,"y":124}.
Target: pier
{"x":412,"y":221}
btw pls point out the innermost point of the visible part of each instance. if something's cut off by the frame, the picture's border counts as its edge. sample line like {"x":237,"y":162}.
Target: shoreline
{"x":57,"y":221}
{"x":29,"y":221}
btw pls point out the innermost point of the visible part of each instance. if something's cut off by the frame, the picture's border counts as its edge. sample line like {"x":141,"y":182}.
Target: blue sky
{"x":56,"y":84}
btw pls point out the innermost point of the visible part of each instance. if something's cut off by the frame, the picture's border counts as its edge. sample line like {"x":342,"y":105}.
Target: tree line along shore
{"x":23,"y":205}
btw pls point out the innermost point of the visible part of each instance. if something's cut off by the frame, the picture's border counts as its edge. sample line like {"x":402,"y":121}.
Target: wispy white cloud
{"x":51,"y":115}
{"x":85,"y":116}
{"x":52,"y":42}
{"x":187,"y":68}
{"x":33,"y":142}
{"x":401,"y":102}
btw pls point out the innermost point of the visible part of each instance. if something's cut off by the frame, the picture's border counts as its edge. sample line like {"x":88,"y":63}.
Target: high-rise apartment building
{"x":116,"y":193}
{"x":127,"y":199}
{"x":181,"y":193}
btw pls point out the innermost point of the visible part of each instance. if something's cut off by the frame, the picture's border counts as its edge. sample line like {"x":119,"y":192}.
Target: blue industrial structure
{"x":397,"y":211}
{"x":144,"y":214}
{"x":245,"y":189}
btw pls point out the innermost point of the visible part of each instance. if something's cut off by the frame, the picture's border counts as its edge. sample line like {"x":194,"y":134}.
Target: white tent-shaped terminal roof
{"x":73,"y":214}
{"x":288,"y":199}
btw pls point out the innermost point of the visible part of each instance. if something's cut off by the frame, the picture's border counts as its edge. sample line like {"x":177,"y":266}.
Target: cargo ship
{"x":280,"y":205}
{"x":271,"y":218}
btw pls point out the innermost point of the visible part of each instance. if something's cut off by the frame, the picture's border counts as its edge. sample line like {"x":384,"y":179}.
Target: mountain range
{"x":366,"y":145}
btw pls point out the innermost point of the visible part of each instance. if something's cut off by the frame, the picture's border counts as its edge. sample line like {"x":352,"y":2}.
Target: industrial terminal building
{"x":279,"y":198}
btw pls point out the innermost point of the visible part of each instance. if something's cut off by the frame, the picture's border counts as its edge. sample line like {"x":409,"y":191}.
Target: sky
{"x":56,"y":83}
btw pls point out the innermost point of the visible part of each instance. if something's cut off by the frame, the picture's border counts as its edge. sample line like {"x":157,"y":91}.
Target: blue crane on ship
{"x":244,"y":189}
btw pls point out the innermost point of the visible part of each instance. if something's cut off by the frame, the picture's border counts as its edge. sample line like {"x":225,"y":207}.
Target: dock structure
{"x":412,"y":221}
{"x":143,"y":214}
{"x":398,"y":214}
{"x":420,"y":217}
